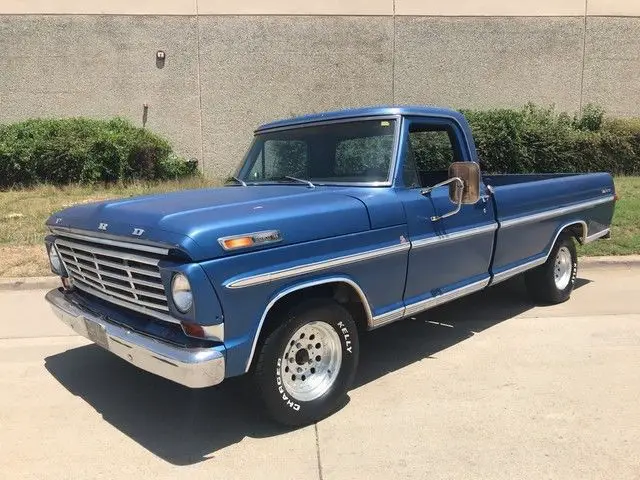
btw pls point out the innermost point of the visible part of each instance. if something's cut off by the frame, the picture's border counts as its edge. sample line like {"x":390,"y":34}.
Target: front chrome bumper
{"x":192,"y":367}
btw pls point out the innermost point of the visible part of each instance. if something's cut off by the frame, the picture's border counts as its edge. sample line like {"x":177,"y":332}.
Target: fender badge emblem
{"x":137,"y":232}
{"x":103,"y":226}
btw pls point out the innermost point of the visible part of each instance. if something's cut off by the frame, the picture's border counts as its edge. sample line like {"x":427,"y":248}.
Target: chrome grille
{"x":120,"y":275}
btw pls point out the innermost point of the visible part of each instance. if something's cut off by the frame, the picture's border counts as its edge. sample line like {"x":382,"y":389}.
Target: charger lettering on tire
{"x":308,"y":351}
{"x":281,"y":391}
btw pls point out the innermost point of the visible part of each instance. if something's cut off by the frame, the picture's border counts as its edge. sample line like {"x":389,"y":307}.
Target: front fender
{"x":356,"y":260}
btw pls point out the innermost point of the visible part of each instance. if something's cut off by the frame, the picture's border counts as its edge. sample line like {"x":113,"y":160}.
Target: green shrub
{"x":81,"y":150}
{"x":538,"y":140}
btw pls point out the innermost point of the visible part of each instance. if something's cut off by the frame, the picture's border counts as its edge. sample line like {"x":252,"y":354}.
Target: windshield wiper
{"x":241,"y":182}
{"x":300,"y":180}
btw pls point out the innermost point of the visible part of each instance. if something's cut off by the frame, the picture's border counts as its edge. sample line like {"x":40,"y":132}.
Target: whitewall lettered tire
{"x":306,"y":365}
{"x":553,"y":281}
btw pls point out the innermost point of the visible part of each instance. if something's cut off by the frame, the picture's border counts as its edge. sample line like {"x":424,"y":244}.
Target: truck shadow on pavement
{"x":184,"y":426}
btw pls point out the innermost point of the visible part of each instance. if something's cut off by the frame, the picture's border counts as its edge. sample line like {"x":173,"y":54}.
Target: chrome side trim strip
{"x":502,"y":276}
{"x":414,"y":308}
{"x":555,"y":213}
{"x":94,"y":237}
{"x":314,"y":267}
{"x":417,"y":307}
{"x":313,"y":283}
{"x":424,"y":242}
{"x":596,"y":236}
{"x":445,"y":297}
{"x":137,"y":308}
{"x":512,"y":272}
{"x":389,"y":317}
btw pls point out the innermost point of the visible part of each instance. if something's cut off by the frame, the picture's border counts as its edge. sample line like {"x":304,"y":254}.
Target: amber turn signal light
{"x":250,"y":239}
{"x":238,"y":242}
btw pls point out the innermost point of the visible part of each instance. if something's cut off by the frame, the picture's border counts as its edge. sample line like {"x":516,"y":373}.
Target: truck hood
{"x":194,"y":220}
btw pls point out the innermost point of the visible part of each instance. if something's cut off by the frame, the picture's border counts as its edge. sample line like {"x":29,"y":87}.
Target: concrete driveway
{"x":488,"y":387}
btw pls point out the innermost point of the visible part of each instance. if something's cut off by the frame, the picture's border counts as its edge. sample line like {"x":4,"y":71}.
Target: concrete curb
{"x":621,"y":261}
{"x":29,"y":283}
{"x":38,"y":283}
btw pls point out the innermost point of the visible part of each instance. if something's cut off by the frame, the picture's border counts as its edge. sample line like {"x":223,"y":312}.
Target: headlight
{"x":181,"y":293}
{"x":54,"y":259}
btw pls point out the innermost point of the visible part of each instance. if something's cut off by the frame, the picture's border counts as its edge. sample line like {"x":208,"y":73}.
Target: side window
{"x":279,"y":158}
{"x":432,"y":150}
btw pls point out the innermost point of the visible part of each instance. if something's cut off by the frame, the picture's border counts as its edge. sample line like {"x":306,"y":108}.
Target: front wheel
{"x":553,"y":281}
{"x":308,"y":363}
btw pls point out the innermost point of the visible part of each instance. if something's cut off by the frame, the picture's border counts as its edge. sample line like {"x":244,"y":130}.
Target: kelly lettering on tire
{"x":345,"y":334}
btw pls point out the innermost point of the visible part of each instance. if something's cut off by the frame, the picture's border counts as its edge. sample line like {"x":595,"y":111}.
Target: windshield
{"x":349,"y":152}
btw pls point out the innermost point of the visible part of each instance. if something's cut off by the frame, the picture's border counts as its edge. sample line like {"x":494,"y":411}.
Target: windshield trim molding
{"x":317,"y":184}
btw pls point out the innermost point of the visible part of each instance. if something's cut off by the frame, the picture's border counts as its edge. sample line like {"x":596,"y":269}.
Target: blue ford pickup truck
{"x":334,"y":224}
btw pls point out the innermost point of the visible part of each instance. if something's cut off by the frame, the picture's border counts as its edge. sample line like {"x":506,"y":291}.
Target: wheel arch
{"x":573,"y":228}
{"x":577,"y":228}
{"x":341,"y":288}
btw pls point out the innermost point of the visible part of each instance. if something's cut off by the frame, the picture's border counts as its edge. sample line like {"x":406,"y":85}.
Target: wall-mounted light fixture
{"x":161,"y":56}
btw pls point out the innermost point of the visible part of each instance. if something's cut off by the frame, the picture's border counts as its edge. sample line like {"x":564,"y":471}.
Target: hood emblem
{"x":137,"y":232}
{"x":103,"y":226}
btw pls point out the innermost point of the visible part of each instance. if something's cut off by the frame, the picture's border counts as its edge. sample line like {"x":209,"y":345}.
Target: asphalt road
{"x":488,"y":387}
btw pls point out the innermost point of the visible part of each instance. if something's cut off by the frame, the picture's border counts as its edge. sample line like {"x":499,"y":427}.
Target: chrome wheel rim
{"x":562,"y":268}
{"x":311,"y":361}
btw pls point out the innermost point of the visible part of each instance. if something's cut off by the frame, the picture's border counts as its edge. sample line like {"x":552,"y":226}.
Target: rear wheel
{"x":553,"y":281}
{"x":308,"y":363}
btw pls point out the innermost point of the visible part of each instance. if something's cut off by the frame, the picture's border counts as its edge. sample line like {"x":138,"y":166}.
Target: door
{"x":449,"y":257}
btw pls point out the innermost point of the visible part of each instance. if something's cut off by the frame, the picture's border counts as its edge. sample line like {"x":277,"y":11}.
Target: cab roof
{"x":355,"y":113}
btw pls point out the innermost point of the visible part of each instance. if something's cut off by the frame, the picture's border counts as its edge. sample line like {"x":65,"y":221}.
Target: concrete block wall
{"x":233,"y":65}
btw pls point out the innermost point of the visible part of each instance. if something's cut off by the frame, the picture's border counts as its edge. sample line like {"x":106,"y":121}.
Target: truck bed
{"x":532,"y":209}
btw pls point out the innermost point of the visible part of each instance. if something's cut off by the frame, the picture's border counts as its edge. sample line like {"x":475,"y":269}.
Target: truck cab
{"x":334,"y":224}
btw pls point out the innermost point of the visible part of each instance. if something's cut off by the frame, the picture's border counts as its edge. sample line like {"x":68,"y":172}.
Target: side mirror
{"x":469,"y":173}
{"x":464,"y":187}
